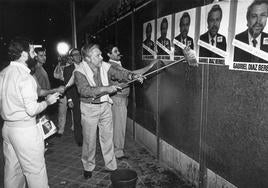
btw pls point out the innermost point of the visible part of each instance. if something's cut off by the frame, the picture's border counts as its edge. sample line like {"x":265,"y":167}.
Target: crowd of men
{"x":87,"y":86}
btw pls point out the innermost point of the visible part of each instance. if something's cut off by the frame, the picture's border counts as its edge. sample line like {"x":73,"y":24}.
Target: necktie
{"x":254,"y":42}
{"x":254,"y":58}
{"x":212,"y":42}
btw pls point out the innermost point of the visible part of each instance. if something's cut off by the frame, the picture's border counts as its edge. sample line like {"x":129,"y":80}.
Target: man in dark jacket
{"x":254,"y":36}
{"x":212,"y":36}
{"x":183,"y":37}
{"x":72,"y":95}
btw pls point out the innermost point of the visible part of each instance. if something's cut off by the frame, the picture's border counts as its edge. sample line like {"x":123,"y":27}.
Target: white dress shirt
{"x":18,"y":94}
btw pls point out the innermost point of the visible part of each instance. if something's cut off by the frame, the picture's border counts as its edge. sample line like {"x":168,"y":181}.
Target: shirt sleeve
{"x":120,"y":74}
{"x":29,"y":96}
{"x":83,"y":87}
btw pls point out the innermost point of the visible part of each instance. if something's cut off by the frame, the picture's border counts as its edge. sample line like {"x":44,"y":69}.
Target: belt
{"x":97,"y":102}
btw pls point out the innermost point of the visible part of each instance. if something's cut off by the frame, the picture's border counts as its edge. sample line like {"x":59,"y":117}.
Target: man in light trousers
{"x":23,"y":144}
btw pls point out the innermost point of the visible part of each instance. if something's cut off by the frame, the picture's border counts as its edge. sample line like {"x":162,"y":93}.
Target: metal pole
{"x":133,"y":67}
{"x":73,"y":22}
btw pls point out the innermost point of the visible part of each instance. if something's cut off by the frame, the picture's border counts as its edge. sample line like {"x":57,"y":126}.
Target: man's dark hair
{"x":214,"y":9}
{"x":185,"y":15}
{"x":86,"y":48}
{"x":109,"y":48}
{"x":164,"y":21}
{"x":17,"y":46}
{"x":72,"y":50}
{"x":256,"y":2}
{"x":39,"y":49}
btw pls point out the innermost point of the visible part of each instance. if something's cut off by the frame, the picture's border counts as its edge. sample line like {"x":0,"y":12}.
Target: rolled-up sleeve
{"x":120,"y":74}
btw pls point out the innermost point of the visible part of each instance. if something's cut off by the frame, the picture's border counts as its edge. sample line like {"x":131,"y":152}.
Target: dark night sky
{"x":46,"y":22}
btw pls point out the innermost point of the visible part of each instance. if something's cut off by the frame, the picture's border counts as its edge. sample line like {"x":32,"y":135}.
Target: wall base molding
{"x":186,"y":167}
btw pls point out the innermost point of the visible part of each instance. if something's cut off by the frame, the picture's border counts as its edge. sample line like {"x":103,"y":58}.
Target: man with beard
{"x":254,"y":36}
{"x":212,"y":36}
{"x":163,"y":38}
{"x":183,"y":36}
{"x":23,"y":144}
{"x":148,"y":42}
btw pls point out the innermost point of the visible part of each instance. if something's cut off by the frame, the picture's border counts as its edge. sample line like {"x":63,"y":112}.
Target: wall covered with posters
{"x":216,"y":112}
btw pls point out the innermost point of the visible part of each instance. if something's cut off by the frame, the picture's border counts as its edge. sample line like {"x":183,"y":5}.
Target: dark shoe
{"x":80,"y":144}
{"x":122,"y":158}
{"x":87,"y":174}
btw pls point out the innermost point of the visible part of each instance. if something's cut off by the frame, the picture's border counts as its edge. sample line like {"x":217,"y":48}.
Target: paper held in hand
{"x":46,"y":127}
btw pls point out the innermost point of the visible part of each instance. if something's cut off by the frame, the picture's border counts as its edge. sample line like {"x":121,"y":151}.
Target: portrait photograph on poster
{"x":184,"y":31}
{"x":214,"y":33}
{"x":148,"y":44}
{"x":251,"y":37}
{"x":163,"y":42}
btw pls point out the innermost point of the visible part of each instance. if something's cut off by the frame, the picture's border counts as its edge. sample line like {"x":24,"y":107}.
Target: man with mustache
{"x":254,"y":36}
{"x":183,"y":36}
{"x":212,"y":36}
{"x":23,"y":144}
{"x":120,"y":100}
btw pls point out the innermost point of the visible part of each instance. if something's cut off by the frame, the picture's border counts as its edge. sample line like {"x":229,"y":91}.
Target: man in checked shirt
{"x":91,"y":79}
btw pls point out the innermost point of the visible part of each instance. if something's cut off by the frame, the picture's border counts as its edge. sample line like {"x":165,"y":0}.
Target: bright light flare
{"x":63,"y":48}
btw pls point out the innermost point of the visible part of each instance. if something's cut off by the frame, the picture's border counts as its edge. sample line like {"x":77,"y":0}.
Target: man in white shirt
{"x":23,"y":145}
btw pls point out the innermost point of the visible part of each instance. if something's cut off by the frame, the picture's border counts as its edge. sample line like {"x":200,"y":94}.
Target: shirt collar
{"x":117,"y":62}
{"x":22,"y":65}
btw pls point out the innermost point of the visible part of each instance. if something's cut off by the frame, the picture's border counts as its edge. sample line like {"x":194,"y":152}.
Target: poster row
{"x":228,"y":33}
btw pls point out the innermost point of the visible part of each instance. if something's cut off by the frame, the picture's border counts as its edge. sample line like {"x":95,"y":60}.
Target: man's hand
{"x":70,"y":104}
{"x":60,"y":89}
{"x":113,"y":88}
{"x":139,"y":77}
{"x":51,"y":99}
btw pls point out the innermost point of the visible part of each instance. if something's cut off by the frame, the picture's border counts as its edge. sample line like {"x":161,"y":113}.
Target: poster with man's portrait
{"x":148,"y":44}
{"x":214,"y":33}
{"x":163,"y":41}
{"x":251,"y":37}
{"x":184,"y":31}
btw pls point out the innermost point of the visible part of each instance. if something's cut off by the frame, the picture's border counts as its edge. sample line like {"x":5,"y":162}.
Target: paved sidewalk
{"x":65,"y":168}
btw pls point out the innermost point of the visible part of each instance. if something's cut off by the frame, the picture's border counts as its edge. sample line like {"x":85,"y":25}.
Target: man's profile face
{"x":148,"y":31}
{"x":115,"y":54}
{"x":257,"y":19}
{"x":95,"y":57}
{"x":184,"y":26}
{"x":164,"y":27}
{"x":41,"y":57}
{"x":214,"y":22}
